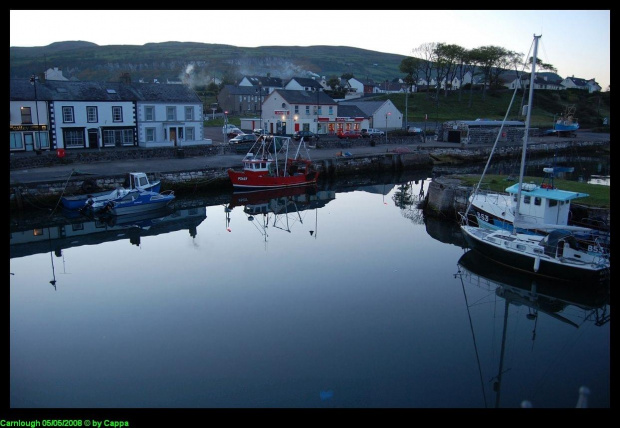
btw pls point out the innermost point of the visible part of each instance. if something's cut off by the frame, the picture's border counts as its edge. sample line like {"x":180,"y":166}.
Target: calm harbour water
{"x":355,"y":300}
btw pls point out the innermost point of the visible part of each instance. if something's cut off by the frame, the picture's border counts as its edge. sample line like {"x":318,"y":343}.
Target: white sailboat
{"x":557,"y":254}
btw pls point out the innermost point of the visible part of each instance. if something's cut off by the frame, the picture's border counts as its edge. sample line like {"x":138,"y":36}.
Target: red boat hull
{"x":260,"y":180}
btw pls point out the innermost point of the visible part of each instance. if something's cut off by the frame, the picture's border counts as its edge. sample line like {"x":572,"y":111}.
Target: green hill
{"x":200,"y":63}
{"x":590,"y":108}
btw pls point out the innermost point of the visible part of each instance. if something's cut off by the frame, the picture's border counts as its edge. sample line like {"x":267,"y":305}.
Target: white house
{"x":286,"y":111}
{"x":583,"y":84}
{"x":303,"y":84}
{"x":168,"y":116}
{"x":381,"y":114}
{"x":28,"y":118}
{"x":105,"y":115}
{"x":54,"y":74}
{"x":268,"y":84}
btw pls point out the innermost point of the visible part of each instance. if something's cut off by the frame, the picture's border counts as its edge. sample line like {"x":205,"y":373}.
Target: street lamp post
{"x":260,"y":105}
{"x":386,"y":125}
{"x":406,"y":108}
{"x":33,"y":81}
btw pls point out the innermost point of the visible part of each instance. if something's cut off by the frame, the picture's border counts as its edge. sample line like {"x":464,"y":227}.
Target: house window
{"x":73,"y":137}
{"x":189,"y":113}
{"x":128,"y":137}
{"x":331,"y":110}
{"x":171,"y":113}
{"x":16,"y":141}
{"x":117,"y":114}
{"x":149,"y":113}
{"x":189,"y":134}
{"x":41,"y":140}
{"x":67,"y":115}
{"x":26,"y":115}
{"x":91,"y":114}
{"x":117,"y":137}
{"x":150,"y":135}
{"x":319,"y":110}
{"x":296,"y":109}
{"x":307,"y":110}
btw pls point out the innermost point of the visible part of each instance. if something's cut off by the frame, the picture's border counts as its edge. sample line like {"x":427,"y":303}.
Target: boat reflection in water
{"x":75,"y":230}
{"x":280,"y":208}
{"x":575,"y":305}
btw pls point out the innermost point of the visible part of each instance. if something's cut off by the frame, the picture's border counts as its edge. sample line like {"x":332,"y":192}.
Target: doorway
{"x":173,"y":136}
{"x":454,"y":136}
{"x":29,"y":141}
{"x":93,"y":140}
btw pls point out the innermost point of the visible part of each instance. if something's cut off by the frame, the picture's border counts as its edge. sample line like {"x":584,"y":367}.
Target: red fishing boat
{"x":274,"y":162}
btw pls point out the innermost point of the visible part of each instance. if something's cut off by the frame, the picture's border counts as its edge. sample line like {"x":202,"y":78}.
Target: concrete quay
{"x":205,"y":167}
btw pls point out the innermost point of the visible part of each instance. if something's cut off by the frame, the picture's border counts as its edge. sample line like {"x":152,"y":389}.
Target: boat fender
{"x":536,"y":263}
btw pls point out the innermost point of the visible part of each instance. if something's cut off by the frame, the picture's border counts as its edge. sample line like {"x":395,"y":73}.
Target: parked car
{"x":258,"y":131}
{"x":414,"y":130}
{"x":243,"y":138}
{"x":306,"y":135}
{"x":348,"y":135}
{"x":371,"y":132}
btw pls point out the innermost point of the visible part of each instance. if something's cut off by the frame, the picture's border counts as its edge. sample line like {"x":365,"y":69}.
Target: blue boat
{"x":133,"y":181}
{"x":566,"y":122}
{"x":135,"y":201}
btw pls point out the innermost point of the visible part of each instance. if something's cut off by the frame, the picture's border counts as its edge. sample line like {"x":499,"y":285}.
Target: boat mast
{"x":528,"y":119}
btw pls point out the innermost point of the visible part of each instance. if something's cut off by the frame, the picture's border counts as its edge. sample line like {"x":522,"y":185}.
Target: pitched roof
{"x":272,"y":82}
{"x":578,"y":81}
{"x":367,"y":107}
{"x":61,"y":90}
{"x":245,"y":90}
{"x":304,"y":97}
{"x":306,"y":82}
{"x":350,"y":111}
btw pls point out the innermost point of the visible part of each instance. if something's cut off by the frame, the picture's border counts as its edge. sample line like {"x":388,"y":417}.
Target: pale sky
{"x":576,"y":42}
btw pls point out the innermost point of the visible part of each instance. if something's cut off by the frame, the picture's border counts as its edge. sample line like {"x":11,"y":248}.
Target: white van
{"x":229,"y":127}
{"x":372,"y":132}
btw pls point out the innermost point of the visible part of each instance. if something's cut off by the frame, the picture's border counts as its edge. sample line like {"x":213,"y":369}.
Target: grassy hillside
{"x":590,"y":108}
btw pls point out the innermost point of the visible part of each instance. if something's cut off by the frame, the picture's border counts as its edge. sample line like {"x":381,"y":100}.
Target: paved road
{"x":62,"y":172}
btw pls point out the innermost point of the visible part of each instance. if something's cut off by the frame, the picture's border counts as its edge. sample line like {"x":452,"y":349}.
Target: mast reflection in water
{"x":348,"y":300}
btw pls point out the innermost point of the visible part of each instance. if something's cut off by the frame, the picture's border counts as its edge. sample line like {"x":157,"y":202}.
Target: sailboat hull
{"x":525,"y":253}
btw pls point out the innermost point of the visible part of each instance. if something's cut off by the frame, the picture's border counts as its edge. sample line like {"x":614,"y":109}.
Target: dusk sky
{"x":576,"y":42}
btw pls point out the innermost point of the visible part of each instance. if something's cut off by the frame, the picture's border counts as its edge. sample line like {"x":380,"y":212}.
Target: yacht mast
{"x":527,"y":131}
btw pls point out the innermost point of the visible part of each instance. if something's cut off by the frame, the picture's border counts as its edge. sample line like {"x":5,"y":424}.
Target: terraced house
{"x":73,"y":115}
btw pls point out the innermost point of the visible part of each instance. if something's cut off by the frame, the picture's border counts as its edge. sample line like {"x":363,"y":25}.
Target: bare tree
{"x":426,"y":52}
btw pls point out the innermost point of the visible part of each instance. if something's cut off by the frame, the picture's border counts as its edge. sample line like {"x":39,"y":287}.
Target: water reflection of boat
{"x":79,"y":231}
{"x":570,"y":303}
{"x":281,"y":208}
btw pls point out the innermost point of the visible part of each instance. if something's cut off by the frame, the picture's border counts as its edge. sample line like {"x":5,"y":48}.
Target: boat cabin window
{"x":537,"y":200}
{"x":527,"y":199}
{"x":142,"y":181}
{"x":552,"y":202}
{"x":514,"y":198}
